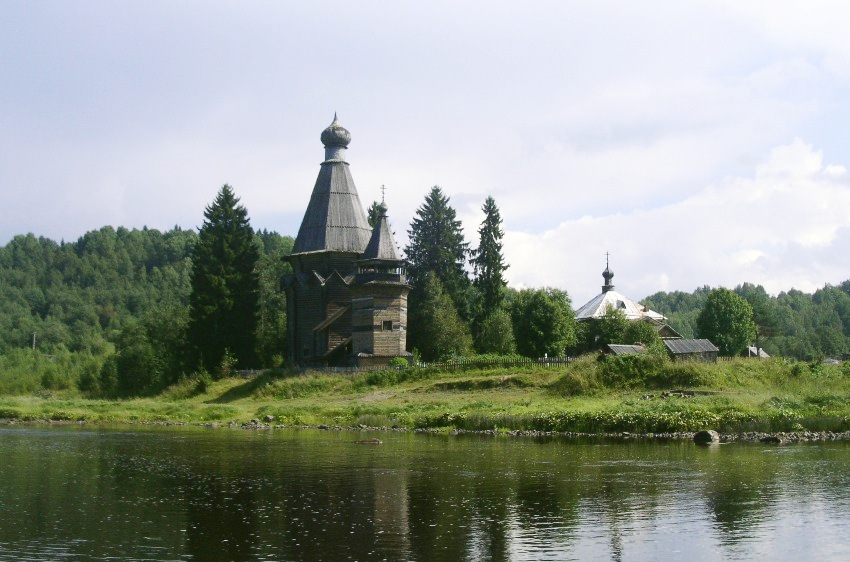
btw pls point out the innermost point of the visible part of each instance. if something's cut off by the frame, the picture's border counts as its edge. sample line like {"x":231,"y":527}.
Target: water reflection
{"x":193,"y":494}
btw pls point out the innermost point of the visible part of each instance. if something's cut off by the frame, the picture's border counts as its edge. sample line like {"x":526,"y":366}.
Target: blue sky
{"x":700,"y":143}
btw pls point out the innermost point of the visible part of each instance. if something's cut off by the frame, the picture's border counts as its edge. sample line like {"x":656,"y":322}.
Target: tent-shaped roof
{"x":334,"y":220}
{"x":382,"y":245}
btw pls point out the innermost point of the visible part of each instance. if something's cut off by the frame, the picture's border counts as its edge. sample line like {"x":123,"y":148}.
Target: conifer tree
{"x":438,"y":330}
{"x":373,"y":213}
{"x":487,"y":260}
{"x":225,"y":288}
{"x":437,"y":245}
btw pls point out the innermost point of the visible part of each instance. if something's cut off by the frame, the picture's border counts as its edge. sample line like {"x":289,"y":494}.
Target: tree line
{"x":791,"y":324}
{"x":145,"y":308}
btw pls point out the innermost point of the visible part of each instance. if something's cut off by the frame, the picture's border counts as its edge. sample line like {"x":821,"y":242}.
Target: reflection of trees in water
{"x":739,"y":488}
{"x":319,"y":496}
{"x":222,"y":520}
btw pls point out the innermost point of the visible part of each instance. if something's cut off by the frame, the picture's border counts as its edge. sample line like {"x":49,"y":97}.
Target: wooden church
{"x":347,"y":296}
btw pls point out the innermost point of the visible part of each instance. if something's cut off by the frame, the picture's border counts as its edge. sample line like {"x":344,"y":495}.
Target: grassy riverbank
{"x":617,"y":394}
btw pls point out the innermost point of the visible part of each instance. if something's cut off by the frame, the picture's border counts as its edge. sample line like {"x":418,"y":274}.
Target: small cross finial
{"x":606,"y":259}
{"x":383,"y":192}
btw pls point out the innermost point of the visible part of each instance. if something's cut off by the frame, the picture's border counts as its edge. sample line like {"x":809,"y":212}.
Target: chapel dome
{"x":336,"y":135}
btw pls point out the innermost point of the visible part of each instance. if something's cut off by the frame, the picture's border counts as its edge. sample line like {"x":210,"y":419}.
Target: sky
{"x":697,"y":143}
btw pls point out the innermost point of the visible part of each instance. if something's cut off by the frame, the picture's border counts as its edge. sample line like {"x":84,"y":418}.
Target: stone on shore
{"x":706,"y":437}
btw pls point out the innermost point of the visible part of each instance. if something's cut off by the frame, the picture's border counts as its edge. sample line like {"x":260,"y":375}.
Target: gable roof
{"x":682,"y":346}
{"x":622,"y":349}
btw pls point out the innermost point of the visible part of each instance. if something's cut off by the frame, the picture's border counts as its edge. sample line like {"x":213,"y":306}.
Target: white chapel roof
{"x":633,"y":310}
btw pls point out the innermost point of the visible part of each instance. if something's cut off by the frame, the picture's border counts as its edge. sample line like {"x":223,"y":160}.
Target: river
{"x":88,"y":493}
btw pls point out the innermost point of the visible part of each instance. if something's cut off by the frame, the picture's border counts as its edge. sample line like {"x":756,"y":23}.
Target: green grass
{"x":588,"y":395}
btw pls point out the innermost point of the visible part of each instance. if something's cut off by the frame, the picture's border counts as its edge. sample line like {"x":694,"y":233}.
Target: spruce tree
{"x":373,"y":213}
{"x":487,"y":260}
{"x":437,"y":245}
{"x":440,"y":333}
{"x":225,"y":288}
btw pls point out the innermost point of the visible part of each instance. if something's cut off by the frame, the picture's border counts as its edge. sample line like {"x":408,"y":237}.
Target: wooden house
{"x":347,"y":295}
{"x":692,"y":350}
{"x":624,"y":349}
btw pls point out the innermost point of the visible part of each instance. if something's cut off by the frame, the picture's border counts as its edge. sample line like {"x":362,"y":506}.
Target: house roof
{"x":621,"y":349}
{"x":334,"y":219}
{"x":682,"y":346}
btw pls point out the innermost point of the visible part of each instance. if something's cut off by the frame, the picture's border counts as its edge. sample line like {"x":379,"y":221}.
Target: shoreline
{"x":777,"y":438}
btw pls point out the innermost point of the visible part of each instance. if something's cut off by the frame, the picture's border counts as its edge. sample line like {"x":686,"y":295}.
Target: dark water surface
{"x":196,"y":494}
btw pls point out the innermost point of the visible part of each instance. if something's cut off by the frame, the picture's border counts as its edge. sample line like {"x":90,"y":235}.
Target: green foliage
{"x":227,"y":365}
{"x":791,"y":324}
{"x":727,"y":321}
{"x":225,"y":285}
{"x":436,"y":328}
{"x":543,"y":322}
{"x":495,"y":334}
{"x":577,"y":383}
{"x":79,"y":296}
{"x":487,"y":260}
{"x":681,"y":309}
{"x":437,"y":247}
{"x":629,"y":371}
{"x":373,"y":213}
{"x":138,"y":367}
{"x":28,"y":372}
{"x":271,"y":321}
{"x":615,"y":328}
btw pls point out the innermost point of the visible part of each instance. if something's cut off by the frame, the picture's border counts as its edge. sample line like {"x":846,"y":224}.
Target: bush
{"x":576,"y":383}
{"x":629,"y":371}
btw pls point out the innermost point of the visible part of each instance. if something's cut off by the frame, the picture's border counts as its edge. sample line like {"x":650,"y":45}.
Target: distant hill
{"x":79,"y":296}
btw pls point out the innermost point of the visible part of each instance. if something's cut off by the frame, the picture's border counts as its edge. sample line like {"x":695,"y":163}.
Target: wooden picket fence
{"x":478,"y":363}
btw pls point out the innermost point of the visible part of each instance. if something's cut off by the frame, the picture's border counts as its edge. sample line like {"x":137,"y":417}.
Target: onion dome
{"x":607,"y":275}
{"x":336,"y":135}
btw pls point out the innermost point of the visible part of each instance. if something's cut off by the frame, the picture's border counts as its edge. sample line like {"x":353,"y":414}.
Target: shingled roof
{"x":690,"y":346}
{"x":334,"y":220}
{"x":382,"y":245}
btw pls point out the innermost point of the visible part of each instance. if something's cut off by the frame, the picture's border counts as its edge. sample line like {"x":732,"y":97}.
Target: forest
{"x":129,"y":312}
{"x":792,"y":324}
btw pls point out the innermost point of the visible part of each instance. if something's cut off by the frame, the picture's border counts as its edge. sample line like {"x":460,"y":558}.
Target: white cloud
{"x":785,"y":227}
{"x":135,"y":114}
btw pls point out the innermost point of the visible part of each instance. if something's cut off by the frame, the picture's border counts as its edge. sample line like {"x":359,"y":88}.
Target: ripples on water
{"x":192,"y":494}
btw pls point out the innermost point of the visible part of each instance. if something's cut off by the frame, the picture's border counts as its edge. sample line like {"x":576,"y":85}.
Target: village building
{"x":692,"y":350}
{"x":347,"y":296}
{"x":598,"y":306}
